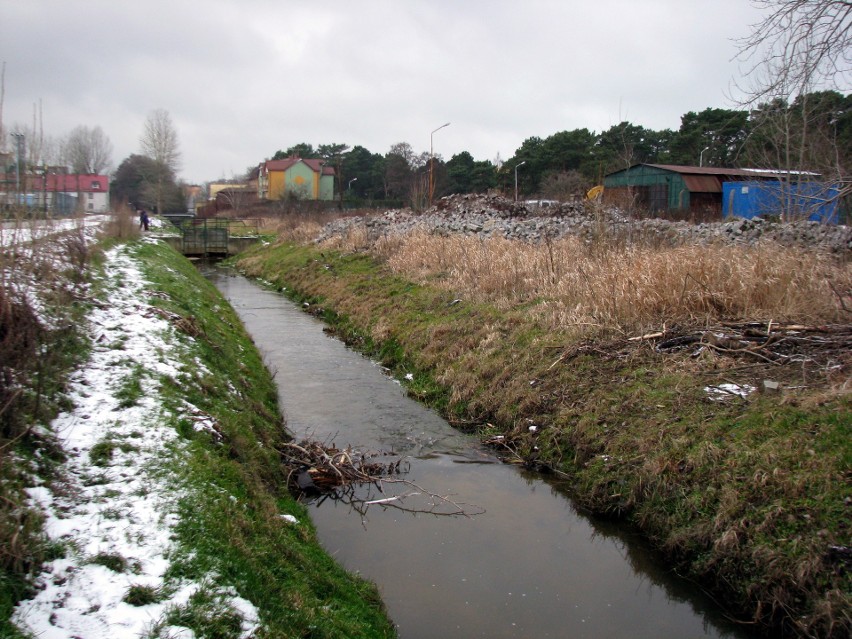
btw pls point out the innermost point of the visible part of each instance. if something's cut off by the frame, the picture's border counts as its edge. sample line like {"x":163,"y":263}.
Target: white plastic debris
{"x":721,"y":392}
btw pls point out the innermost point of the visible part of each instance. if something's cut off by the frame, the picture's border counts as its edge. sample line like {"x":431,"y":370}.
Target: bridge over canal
{"x":212,"y":237}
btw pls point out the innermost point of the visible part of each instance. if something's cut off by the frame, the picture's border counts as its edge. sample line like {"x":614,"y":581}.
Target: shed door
{"x":658,"y":197}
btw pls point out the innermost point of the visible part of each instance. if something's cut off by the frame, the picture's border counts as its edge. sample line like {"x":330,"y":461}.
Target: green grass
{"x":101,"y":454}
{"x":207,"y":614}
{"x":232,"y":492}
{"x":130,"y":391}
{"x":745,"y":497}
{"x":142,"y":595}
{"x":114,"y":562}
{"x":45,"y":356}
{"x":234,"y":489}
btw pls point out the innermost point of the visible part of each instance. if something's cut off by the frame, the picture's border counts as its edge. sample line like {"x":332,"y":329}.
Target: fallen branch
{"x":317,"y":470}
{"x":769,"y":342}
{"x":839,"y":297}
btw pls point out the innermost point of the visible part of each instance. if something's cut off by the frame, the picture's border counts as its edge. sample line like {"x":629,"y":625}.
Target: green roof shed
{"x":670,"y":187}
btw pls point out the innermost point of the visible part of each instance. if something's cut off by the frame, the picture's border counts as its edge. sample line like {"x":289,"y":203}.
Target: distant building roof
{"x":318,"y":166}
{"x":722,"y":171}
{"x":73,"y":183}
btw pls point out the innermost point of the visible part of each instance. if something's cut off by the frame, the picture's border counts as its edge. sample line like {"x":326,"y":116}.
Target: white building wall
{"x":95,"y":202}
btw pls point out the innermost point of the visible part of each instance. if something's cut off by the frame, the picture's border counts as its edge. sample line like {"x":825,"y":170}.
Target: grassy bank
{"x":598,"y":363}
{"x":236,"y":531}
{"x":35,"y":358}
{"x":280,"y":568}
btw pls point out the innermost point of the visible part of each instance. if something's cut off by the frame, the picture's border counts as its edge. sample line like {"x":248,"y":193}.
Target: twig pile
{"x":772,"y":343}
{"x":317,"y":468}
{"x":359,"y":481}
{"x":187,"y":325}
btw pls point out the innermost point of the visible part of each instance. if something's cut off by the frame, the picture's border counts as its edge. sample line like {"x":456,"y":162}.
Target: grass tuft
{"x":113,"y":561}
{"x":142,"y":595}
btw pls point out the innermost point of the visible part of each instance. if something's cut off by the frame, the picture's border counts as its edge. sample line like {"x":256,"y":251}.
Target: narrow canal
{"x":530,"y":565}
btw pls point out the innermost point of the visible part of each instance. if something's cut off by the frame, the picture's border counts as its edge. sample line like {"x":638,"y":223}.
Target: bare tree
{"x":236,"y":197}
{"x":798,"y":46}
{"x":334,"y":154}
{"x":160,"y":143}
{"x":159,"y":140}
{"x":88,"y":151}
{"x":407,"y":174}
{"x":564,"y":185}
{"x":2,"y":98}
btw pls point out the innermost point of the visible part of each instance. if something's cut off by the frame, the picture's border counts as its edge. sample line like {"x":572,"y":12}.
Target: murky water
{"x":529,"y":566}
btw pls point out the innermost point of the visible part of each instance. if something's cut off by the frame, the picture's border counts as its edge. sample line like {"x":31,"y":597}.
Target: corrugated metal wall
{"x":806,"y":200}
{"x":648,"y":187}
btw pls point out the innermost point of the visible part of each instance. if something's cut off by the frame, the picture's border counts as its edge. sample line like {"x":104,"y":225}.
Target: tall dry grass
{"x":43,"y":266}
{"x":303,"y":227}
{"x":42,"y":274}
{"x":124,"y":224}
{"x":625,"y":288}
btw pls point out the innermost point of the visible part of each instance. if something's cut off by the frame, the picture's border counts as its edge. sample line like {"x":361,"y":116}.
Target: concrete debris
{"x":496,"y":216}
{"x":771,"y":386}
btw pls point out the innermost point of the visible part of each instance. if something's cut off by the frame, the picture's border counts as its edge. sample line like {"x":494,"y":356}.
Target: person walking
{"x":143,"y":219}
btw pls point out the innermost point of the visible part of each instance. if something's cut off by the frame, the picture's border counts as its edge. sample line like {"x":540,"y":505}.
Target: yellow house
{"x":295,"y":177}
{"x":213,"y":188}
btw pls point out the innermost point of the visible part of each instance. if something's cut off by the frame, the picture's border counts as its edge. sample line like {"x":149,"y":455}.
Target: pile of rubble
{"x":496,"y":216}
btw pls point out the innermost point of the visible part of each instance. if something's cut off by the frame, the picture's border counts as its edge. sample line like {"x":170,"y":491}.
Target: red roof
{"x":58,"y":183}
{"x":315,"y":165}
{"x":63,"y":183}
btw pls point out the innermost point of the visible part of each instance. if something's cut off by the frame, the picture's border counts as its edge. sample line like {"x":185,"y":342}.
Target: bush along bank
{"x":744,"y":492}
{"x":165,"y":442}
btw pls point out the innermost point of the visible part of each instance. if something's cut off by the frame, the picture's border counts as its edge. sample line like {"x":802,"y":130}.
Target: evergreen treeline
{"x":813,"y":133}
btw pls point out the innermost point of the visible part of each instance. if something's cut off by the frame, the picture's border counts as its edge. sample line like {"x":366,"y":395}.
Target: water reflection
{"x":528,"y":565}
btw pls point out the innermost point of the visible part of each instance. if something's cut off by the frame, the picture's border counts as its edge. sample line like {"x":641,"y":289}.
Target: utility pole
{"x":519,"y":164}
{"x":432,"y":162}
{"x":19,"y":150}
{"x":2,"y":97}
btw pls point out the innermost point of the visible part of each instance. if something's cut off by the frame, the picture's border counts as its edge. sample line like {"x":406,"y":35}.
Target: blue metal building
{"x":815,"y":201}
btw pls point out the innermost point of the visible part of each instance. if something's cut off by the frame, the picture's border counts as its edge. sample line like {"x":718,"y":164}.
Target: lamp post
{"x":19,"y":144}
{"x":432,"y":162}
{"x":349,"y":186}
{"x":701,"y":156}
{"x":516,"y":178}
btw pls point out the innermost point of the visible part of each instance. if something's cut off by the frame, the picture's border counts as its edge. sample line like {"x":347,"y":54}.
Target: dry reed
{"x":626,"y":288}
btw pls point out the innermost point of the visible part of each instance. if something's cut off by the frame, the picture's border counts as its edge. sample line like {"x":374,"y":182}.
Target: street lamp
{"x":19,"y":144}
{"x":701,"y":156}
{"x":516,"y":178}
{"x":349,"y":186}
{"x":432,"y":162}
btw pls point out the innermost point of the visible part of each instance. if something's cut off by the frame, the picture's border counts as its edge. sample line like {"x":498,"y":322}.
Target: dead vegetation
{"x":317,"y":468}
{"x":42,"y":285}
{"x":700,"y":392}
{"x":361,"y":479}
{"x":826,"y":349}
{"x":629,"y":289}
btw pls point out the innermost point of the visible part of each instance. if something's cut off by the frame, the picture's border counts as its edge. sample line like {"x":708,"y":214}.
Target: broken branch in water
{"x":318,"y":469}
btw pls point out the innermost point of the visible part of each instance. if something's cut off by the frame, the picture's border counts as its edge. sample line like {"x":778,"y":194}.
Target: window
{"x":91,"y":196}
{"x":96,"y":186}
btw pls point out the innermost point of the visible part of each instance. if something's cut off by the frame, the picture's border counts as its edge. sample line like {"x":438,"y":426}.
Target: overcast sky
{"x":242,"y":79}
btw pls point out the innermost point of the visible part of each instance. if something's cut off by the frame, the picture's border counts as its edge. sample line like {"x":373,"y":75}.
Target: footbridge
{"x":212,"y":237}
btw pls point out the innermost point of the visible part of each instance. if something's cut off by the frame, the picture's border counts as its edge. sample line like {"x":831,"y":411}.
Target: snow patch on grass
{"x":112,"y":511}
